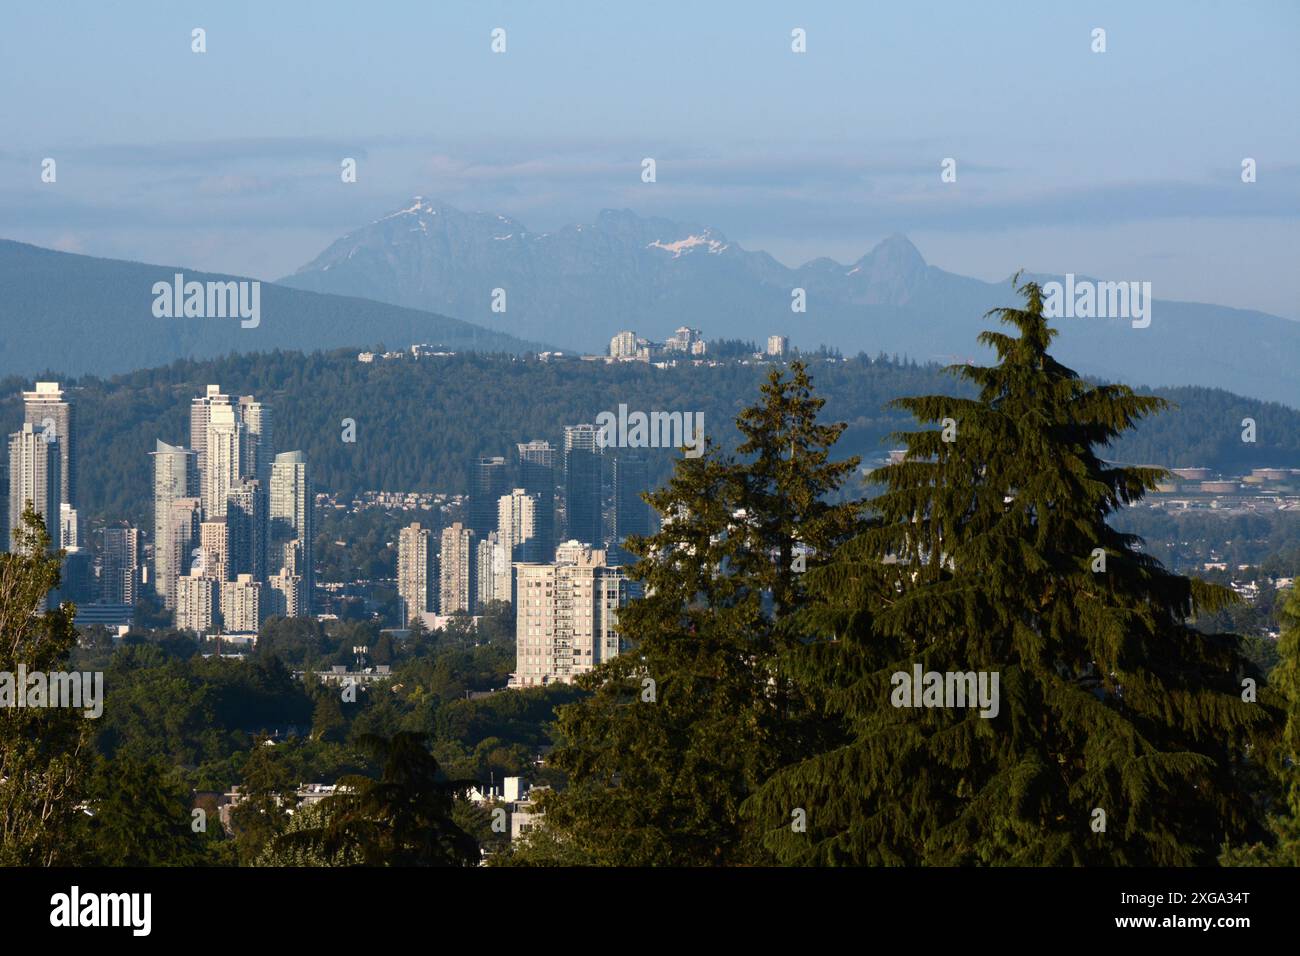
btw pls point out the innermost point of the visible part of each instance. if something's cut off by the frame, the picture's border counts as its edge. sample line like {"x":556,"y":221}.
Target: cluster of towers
{"x":40,"y":469}
{"x":232,"y":520}
{"x":546,"y":536}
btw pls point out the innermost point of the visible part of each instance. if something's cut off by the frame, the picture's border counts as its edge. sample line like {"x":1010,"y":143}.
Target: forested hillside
{"x":418,"y":423}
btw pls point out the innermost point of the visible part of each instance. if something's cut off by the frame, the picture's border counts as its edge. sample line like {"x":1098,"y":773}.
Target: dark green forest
{"x":418,"y":423}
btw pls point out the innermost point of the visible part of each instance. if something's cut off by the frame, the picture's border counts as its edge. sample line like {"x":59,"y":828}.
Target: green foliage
{"x":140,"y":816}
{"x":187,"y":710}
{"x":310,"y":819}
{"x":327,"y":721}
{"x":981,"y":559}
{"x":403,"y":818}
{"x":1282,"y":848}
{"x":439,"y":414}
{"x":682,"y":727}
{"x":261,"y":812}
{"x":42,"y":750}
{"x":749,"y":688}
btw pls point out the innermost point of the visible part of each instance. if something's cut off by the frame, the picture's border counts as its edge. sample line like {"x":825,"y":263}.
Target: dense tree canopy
{"x":1121,"y":734}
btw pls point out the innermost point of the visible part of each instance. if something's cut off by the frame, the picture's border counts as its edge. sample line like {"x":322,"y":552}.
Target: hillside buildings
{"x":627,"y":346}
{"x":624,"y":345}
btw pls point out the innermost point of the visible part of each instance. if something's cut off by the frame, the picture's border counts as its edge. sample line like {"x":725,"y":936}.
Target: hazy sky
{"x":1123,"y":164}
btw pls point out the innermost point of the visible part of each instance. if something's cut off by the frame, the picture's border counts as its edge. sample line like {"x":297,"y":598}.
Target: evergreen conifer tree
{"x":1121,"y":733}
{"x":1283,"y":849}
{"x":402,"y":818}
{"x":692,"y":716}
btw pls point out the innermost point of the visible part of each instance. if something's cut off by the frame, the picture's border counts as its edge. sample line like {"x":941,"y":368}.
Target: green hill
{"x":418,"y":423}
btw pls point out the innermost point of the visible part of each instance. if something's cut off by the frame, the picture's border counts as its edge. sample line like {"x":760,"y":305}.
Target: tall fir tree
{"x":262,"y":811}
{"x":1121,"y":735}
{"x":141,"y":816}
{"x":683,"y":725}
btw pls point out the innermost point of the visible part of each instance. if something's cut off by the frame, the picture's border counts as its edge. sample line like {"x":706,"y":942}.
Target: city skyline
{"x":577,"y":440}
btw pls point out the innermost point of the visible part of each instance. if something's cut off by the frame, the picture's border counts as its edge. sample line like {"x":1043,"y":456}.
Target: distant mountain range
{"x":76,"y":314}
{"x":579,"y":285}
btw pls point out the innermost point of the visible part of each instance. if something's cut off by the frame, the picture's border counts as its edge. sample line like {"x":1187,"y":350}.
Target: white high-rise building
{"x":241,"y":605}
{"x":495,"y":572}
{"x":624,"y":345}
{"x":175,"y":477}
{"x":416,"y":569}
{"x":258,"y":448}
{"x":284,"y":595}
{"x":215,"y":543}
{"x":181,"y":547}
{"x":69,"y":526}
{"x":34,"y":465}
{"x":777,"y":345}
{"x":221,"y":469}
{"x":291,"y":517}
{"x":45,"y":407}
{"x":685,"y":340}
{"x":200,"y":415}
{"x":517,"y":525}
{"x":196,"y":603}
{"x":456,"y":570}
{"x":566,"y":617}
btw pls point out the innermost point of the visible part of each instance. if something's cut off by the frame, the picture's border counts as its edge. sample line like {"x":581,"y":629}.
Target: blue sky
{"x":1124,"y":164}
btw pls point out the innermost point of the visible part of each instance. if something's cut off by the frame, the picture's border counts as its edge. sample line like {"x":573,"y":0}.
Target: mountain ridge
{"x":578,"y":285}
{"x":85,"y":314}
